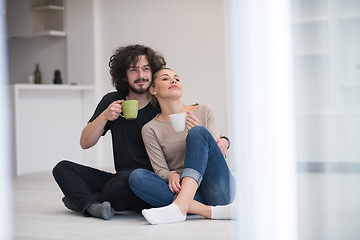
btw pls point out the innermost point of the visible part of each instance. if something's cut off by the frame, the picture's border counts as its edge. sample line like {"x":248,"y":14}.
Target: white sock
{"x":223,"y":212}
{"x":167,"y":214}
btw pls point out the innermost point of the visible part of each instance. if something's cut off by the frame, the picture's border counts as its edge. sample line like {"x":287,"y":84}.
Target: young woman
{"x":191,"y":174}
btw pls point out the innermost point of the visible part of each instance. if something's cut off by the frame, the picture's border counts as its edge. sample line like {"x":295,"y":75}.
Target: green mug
{"x":129,"y":109}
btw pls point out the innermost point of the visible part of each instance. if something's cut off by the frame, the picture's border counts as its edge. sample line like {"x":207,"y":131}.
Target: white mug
{"x":178,"y":121}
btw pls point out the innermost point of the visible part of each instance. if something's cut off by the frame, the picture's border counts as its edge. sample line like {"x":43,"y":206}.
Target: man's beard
{"x":141,"y":88}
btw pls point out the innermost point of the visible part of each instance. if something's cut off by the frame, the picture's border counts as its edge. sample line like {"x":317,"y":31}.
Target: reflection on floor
{"x":39,"y":214}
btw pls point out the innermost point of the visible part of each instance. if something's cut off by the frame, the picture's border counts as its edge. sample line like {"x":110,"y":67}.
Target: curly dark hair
{"x":127,"y":56}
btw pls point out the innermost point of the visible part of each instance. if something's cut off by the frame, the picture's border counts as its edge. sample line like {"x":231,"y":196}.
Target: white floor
{"x":329,"y":209}
{"x":39,"y":214}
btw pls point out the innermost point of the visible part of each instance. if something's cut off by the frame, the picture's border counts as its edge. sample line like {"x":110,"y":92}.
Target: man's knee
{"x":120,"y":182}
{"x":117,"y":191}
{"x":60,"y":168}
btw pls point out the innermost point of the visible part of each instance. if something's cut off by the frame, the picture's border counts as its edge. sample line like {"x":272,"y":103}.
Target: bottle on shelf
{"x":37,"y":74}
{"x":57,"y":77}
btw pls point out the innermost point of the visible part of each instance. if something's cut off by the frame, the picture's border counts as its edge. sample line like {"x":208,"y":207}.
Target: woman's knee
{"x":197,"y":132}
{"x":136,"y":176}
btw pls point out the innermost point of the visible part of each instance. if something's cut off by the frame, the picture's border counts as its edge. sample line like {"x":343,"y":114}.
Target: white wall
{"x":80,"y":44}
{"x":190,"y":35}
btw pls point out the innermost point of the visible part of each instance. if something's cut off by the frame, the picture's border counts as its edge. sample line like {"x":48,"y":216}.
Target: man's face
{"x":139,"y":76}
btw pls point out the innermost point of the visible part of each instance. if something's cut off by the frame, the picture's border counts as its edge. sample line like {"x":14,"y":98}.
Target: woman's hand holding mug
{"x":183,"y":121}
{"x":191,"y":121}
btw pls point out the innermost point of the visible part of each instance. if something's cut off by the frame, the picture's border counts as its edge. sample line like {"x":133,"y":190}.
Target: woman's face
{"x":166,"y":84}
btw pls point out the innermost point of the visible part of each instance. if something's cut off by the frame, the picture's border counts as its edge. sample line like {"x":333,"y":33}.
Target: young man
{"x":98,"y":193}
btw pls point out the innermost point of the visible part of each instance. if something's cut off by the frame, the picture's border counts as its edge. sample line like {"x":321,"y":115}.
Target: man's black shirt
{"x":128,"y":147}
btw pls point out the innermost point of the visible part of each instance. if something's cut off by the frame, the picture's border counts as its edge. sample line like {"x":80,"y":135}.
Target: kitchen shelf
{"x":48,"y":8}
{"x":59,"y":87}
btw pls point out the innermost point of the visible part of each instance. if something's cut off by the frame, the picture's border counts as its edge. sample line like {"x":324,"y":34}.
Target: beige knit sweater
{"x":166,"y":148}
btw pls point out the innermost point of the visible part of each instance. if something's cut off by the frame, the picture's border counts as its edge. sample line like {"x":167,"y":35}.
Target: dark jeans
{"x":204,"y":163}
{"x":83,"y":186}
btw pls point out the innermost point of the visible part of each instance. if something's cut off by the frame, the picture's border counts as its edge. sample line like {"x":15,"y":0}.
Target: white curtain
{"x":262,"y":118}
{"x":5,"y":171}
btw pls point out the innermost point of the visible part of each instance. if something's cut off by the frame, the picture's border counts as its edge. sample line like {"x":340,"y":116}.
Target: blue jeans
{"x":204,"y":162}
